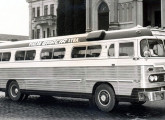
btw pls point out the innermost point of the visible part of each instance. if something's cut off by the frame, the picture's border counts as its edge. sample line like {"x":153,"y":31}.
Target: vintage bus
{"x":105,"y":67}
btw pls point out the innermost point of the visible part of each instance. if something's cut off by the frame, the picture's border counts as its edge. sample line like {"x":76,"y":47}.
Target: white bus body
{"x":107,"y":79}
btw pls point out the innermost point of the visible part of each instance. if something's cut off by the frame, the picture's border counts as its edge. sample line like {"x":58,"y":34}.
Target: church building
{"x":121,"y":14}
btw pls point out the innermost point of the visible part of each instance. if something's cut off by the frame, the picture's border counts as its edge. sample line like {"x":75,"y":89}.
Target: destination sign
{"x":53,"y":42}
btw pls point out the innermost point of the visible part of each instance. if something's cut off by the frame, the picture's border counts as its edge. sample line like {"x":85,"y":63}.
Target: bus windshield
{"x":153,"y":48}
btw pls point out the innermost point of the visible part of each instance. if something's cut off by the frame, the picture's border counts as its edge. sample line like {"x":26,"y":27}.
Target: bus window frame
{"x":33,"y":53}
{"x":93,"y":45}
{"x":59,"y":48}
{"x":114,"y":50}
{"x":25,"y":55}
{"x":127,"y":41}
{"x":45,"y":49}
{"x":20,"y":51}
{"x":52,"y":53}
{"x":85,"y":45}
{"x":139,"y":51}
{"x":2,"y":56}
{"x":78,"y":46}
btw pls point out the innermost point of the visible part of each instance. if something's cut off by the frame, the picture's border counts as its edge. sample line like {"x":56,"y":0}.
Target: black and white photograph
{"x":82,"y":59}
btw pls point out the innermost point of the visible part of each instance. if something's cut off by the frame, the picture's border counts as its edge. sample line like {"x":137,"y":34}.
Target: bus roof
{"x":92,"y":36}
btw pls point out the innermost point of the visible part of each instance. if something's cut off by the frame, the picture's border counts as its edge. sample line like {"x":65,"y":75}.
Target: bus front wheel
{"x":14,"y":91}
{"x":105,"y":98}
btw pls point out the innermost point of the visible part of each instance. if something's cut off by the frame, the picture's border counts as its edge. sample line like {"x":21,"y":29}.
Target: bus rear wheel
{"x":14,"y":91}
{"x":105,"y":98}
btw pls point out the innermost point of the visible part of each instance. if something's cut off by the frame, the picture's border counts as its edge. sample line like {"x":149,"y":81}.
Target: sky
{"x":14,"y":17}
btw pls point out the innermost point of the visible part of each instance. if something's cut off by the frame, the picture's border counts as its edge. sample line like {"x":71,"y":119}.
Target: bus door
{"x":127,"y":69}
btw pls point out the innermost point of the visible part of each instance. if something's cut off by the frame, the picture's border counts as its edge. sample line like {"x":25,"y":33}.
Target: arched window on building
{"x":103,"y":16}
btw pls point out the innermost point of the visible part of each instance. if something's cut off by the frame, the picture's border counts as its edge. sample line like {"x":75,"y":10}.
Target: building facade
{"x":100,"y":14}
{"x":42,"y":18}
{"x":121,"y":14}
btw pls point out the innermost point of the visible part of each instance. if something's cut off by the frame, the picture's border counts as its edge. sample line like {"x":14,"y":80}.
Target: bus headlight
{"x":155,"y":78}
{"x":151,"y":78}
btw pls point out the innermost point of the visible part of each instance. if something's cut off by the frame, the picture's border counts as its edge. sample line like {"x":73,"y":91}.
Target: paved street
{"x":36,"y":108}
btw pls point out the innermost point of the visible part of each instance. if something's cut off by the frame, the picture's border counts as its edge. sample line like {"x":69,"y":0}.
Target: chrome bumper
{"x":151,"y":96}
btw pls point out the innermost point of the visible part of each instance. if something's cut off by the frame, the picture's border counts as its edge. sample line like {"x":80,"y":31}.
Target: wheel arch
{"x":99,"y":83}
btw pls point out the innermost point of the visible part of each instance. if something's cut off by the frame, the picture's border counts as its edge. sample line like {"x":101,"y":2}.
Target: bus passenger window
{"x":78,"y":52}
{"x":46,"y":54}
{"x":6,"y":56}
{"x":93,"y":51}
{"x":59,"y":53}
{"x":0,"y":56}
{"x":126,"y":49}
{"x":30,"y":55}
{"x":111,"y":50}
{"x":20,"y":55}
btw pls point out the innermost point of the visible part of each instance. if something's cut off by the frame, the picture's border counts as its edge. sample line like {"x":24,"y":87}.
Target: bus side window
{"x":59,"y":53}
{"x":46,"y":53}
{"x":30,"y":55}
{"x":0,"y":56}
{"x":20,"y":55}
{"x":126,"y":49}
{"x":6,"y":56}
{"x":93,"y":51}
{"x":78,"y":52}
{"x":111,"y":50}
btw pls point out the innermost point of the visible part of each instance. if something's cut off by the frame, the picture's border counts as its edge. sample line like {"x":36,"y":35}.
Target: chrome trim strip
{"x":46,"y":79}
{"x":94,"y":80}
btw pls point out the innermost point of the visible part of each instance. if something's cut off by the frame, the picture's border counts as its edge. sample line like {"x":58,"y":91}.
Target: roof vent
{"x":96,"y":35}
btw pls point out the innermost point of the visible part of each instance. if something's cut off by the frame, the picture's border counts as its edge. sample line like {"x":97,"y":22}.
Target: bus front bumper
{"x":151,"y":96}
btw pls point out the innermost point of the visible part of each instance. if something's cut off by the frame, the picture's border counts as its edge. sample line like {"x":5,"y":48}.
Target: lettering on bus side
{"x":37,"y":43}
{"x":53,"y":42}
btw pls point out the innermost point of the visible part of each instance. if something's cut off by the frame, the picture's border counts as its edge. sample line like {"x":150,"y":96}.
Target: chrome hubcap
{"x":104,"y":97}
{"x":14,"y":90}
